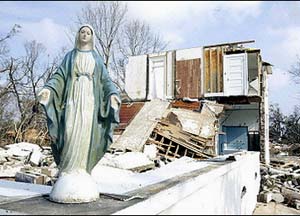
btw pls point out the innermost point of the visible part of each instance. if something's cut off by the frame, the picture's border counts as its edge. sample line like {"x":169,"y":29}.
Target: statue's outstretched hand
{"x":115,"y":102}
{"x":44,"y":96}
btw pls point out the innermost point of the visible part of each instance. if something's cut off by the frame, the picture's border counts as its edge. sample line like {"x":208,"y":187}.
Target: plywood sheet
{"x":188,"y":78}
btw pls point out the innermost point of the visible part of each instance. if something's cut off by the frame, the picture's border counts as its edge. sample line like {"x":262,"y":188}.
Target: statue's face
{"x":85,"y":35}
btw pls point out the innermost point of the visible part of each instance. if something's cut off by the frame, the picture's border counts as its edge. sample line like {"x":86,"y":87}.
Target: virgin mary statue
{"x":82,"y":108}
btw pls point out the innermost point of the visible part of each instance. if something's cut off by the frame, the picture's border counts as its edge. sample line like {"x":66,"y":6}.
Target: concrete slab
{"x":119,"y":181}
{"x":13,"y":189}
{"x":9,"y":212}
{"x":134,"y":161}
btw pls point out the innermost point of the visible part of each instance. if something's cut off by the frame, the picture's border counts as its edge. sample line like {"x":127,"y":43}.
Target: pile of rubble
{"x":281,"y":181}
{"x":285,"y":149}
{"x":184,"y":132}
{"x":27,"y":162}
{"x":30,"y":163}
{"x":173,"y":142}
{"x":149,"y":142}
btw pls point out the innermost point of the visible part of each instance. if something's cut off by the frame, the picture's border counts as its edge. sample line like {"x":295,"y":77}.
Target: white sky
{"x":275,"y":27}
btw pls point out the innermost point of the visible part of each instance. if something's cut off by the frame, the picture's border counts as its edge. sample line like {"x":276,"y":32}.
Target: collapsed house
{"x":216,"y":102}
{"x":194,"y":105}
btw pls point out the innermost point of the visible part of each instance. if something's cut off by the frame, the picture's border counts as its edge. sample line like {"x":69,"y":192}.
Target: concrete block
{"x":30,"y":177}
{"x":295,"y":182}
{"x":134,"y":161}
{"x":22,"y":149}
{"x":36,"y":157}
{"x":277,"y":197}
{"x":51,"y":172}
{"x":265,"y":197}
{"x":10,"y":171}
{"x":297,"y":204}
{"x":30,"y":169}
{"x":150,"y":151}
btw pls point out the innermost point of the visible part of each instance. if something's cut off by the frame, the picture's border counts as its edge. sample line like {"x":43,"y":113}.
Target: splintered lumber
{"x":173,"y":142}
{"x":177,"y":133}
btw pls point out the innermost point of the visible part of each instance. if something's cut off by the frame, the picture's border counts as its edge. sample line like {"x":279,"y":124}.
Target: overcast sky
{"x":275,"y":27}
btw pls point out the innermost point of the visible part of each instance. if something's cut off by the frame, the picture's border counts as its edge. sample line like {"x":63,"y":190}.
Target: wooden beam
{"x":207,"y":75}
{"x":210,"y":71}
{"x":228,"y":44}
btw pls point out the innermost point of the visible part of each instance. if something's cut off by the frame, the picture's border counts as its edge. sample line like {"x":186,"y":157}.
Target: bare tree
{"x":25,"y":76}
{"x":136,"y":38}
{"x":6,"y":63}
{"x":295,"y":71}
{"x":6,"y":67}
{"x":4,"y":50}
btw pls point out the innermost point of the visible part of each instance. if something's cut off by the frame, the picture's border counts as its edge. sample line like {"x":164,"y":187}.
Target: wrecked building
{"x":207,"y":107}
{"x":222,"y":89}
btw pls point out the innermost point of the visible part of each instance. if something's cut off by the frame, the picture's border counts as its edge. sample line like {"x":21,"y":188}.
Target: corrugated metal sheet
{"x":188,"y":78}
{"x":213,"y":70}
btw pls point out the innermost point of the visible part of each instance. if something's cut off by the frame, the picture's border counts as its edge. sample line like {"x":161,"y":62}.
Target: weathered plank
{"x":188,"y":77}
{"x":206,"y":72}
{"x":220,"y":69}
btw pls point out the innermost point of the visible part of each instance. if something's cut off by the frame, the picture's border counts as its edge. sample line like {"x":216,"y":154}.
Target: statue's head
{"x":84,"y":36}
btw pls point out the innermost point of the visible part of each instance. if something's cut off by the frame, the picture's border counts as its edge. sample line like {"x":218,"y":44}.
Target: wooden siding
{"x":213,"y":70}
{"x":188,"y":78}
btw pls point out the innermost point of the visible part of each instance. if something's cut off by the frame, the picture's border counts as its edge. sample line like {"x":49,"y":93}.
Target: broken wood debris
{"x":186,"y":105}
{"x":172,"y":142}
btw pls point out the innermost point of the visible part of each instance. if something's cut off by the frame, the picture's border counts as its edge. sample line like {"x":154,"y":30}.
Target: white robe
{"x":79,"y":115}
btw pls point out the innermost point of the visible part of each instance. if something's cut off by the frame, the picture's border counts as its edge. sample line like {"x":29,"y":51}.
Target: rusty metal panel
{"x":188,"y":78}
{"x":213,"y":66}
{"x":186,"y":105}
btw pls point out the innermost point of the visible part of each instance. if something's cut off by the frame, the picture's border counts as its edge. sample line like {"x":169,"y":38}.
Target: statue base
{"x":75,"y":186}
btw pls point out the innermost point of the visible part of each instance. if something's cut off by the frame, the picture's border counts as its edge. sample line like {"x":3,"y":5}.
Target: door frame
{"x":152,"y":61}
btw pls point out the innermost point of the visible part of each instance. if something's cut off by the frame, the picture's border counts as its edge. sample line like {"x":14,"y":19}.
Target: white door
{"x":235,"y":74}
{"x":157,"y":73}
